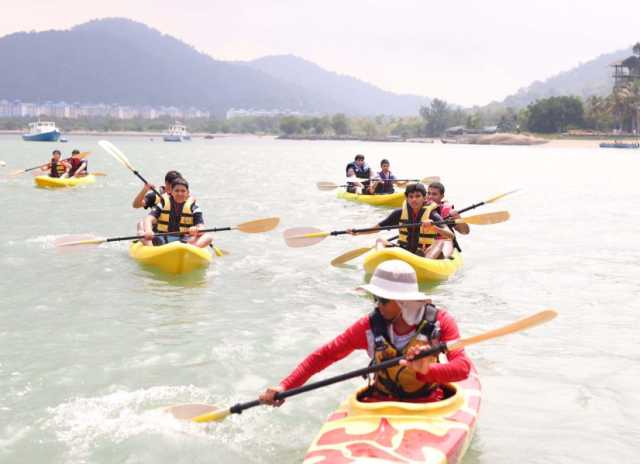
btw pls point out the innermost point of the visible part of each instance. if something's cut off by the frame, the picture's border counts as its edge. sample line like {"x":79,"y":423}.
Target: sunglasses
{"x":380,"y":300}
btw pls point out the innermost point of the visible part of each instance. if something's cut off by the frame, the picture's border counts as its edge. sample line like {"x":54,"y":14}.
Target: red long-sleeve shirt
{"x":356,"y":338}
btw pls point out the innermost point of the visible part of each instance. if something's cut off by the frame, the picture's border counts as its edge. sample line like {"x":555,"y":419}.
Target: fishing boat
{"x":42,"y":131}
{"x":176,"y":133}
{"x":393,"y":431}
{"x":619,"y":145}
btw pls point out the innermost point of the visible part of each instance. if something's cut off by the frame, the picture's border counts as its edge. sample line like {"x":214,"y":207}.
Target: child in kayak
{"x":177,"y":212}
{"x":416,"y":239}
{"x":56,"y":166}
{"x":78,"y":166}
{"x":382,"y":184}
{"x":443,"y":246}
{"x":403,"y":322}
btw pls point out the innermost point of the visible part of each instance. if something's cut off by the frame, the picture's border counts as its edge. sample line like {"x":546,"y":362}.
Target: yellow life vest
{"x":186,"y":217}
{"x":427,"y":233}
{"x":57,"y":169}
{"x":398,"y":381}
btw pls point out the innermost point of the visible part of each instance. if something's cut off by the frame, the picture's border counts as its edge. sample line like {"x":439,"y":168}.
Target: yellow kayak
{"x":391,"y":200}
{"x":59,"y":182}
{"x":393,"y":431}
{"x":174,"y":258}
{"x":427,"y":270}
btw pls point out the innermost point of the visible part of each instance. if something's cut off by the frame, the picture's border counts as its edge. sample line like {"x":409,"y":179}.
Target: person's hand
{"x":454,"y":214}
{"x":421,"y":365}
{"x":148,"y":235}
{"x":351,"y":232}
{"x":194,"y":231}
{"x":269,"y":396}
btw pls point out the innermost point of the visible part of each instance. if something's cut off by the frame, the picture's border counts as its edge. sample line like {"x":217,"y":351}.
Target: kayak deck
{"x":427,"y":270}
{"x":173,"y":258}
{"x":392,"y":431}
{"x":60,"y":182}
{"x":390,"y":200}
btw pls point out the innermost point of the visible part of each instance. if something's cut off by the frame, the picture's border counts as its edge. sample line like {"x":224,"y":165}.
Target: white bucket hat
{"x":395,"y":280}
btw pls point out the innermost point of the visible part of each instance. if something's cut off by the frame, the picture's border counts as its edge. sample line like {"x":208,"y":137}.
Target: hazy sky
{"x":467,"y":52}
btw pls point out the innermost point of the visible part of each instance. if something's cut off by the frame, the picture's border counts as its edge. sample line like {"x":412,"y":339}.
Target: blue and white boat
{"x":42,"y":131}
{"x":176,"y":133}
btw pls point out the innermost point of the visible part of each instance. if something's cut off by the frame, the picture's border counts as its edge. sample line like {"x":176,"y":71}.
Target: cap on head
{"x":395,"y":280}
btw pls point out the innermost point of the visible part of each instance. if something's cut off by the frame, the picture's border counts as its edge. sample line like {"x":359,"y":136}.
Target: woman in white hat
{"x":403,"y":322}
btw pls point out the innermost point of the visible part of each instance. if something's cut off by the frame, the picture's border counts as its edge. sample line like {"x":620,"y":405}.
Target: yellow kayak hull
{"x":391,"y":200}
{"x":174,"y":258}
{"x":393,"y":431}
{"x":59,"y":182}
{"x":427,"y":270}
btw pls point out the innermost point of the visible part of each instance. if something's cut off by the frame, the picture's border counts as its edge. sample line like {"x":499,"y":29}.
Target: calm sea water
{"x":91,"y":344}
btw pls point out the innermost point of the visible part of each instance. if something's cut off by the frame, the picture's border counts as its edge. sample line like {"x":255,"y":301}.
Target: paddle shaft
{"x":373,"y":229}
{"x":239,"y":407}
{"x":161,"y":234}
{"x":139,"y":176}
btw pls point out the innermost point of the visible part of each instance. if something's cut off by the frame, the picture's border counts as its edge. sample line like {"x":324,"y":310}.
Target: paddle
{"x":122,"y":159}
{"x":82,"y":155}
{"x":251,"y":227}
{"x":209,"y":413}
{"x":307,"y":236}
{"x":331,"y":186}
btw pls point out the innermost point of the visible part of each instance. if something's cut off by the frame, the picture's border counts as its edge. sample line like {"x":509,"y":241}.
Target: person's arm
{"x":354,"y":338}
{"x":462,"y":228}
{"x":140,"y":200}
{"x":458,"y":364}
{"x":81,"y":169}
{"x":149,"y":221}
{"x":443,"y":230}
{"x":392,"y":220}
{"x":198,"y":220}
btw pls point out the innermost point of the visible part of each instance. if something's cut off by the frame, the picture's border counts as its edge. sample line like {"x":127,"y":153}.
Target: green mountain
{"x":121,"y":61}
{"x":584,"y":80}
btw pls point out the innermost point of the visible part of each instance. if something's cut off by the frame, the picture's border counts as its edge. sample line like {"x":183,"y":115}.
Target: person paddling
{"x":382,"y":184}
{"x":78,"y":166}
{"x":403,"y":322}
{"x":361,"y":170}
{"x":177,"y":212}
{"x":147,"y":198}
{"x":416,"y":239}
{"x":56,"y":166}
{"x":443,"y":246}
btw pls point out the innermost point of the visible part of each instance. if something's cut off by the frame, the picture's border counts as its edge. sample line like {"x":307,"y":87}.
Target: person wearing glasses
{"x":403,"y":322}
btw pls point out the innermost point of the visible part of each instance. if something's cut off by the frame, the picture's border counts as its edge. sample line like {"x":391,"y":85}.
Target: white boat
{"x":176,"y":133}
{"x":42,"y":131}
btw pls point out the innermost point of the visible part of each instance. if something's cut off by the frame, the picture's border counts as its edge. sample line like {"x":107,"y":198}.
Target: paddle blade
{"x":197,"y":412}
{"x":300,"y":237}
{"x":502,"y":195}
{"x":522,"y":324}
{"x":219,"y":252}
{"x":326,"y":185}
{"x":259,"y":225}
{"x":349,"y":255}
{"x":99,"y":174}
{"x":428,"y":180}
{"x":78,"y":240}
{"x":486,"y":219}
{"x":17,"y":173}
{"x":116,"y":153}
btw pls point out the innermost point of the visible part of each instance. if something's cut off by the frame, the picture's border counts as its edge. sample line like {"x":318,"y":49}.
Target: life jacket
{"x":186,"y":217}
{"x":56,"y":169}
{"x":384,"y":187}
{"x":399,"y":381}
{"x":444,"y":209}
{"x":427,"y":233}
